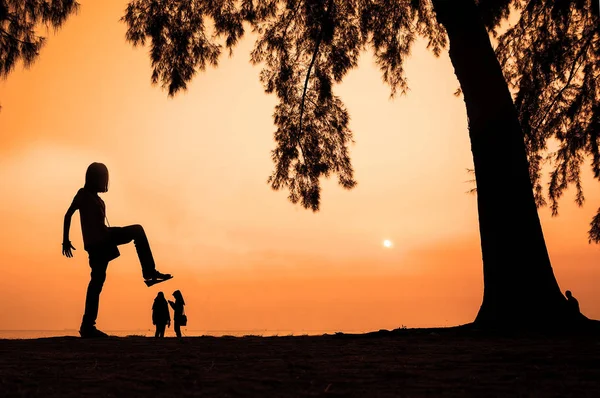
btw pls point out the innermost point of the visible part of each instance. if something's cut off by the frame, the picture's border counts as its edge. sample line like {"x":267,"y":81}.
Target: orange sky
{"x":193,"y":170}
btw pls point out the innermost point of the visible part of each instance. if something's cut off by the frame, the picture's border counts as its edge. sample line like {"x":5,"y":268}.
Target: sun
{"x":387,"y":243}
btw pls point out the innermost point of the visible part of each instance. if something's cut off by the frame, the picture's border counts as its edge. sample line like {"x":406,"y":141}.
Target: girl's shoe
{"x":157,"y":277}
{"x":91,"y":333}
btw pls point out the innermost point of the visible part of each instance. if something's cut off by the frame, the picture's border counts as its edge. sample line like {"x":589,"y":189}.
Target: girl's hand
{"x":66,"y":249}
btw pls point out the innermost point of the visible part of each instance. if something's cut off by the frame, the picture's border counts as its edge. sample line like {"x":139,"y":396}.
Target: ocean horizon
{"x":149,"y":332}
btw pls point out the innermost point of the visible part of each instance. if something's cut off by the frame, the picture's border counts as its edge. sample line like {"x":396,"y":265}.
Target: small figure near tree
{"x":573,"y":303}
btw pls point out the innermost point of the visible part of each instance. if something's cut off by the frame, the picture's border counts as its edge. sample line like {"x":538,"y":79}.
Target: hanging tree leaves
{"x":305,"y":47}
{"x":180,"y":44}
{"x":550,"y":57}
{"x":19,"y":21}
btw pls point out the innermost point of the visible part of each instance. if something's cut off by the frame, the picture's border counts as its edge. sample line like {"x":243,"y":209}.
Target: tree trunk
{"x":520,"y":290}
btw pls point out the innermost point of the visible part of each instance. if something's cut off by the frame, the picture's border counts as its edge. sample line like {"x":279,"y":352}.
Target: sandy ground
{"x":408,"y":363}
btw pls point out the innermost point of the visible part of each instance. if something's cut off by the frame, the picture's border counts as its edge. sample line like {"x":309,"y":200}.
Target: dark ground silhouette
{"x":406,"y":363}
{"x":101,"y":242}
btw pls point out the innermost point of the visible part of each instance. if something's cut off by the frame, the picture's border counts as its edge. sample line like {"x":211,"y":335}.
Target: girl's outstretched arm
{"x":66,"y":245}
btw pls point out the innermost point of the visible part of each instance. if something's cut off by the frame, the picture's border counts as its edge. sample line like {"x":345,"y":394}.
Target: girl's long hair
{"x":96,"y":177}
{"x":159,"y":300}
{"x":178,"y":296}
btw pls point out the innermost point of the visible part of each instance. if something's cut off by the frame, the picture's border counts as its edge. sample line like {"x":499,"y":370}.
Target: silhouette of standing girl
{"x":179,"y":316}
{"x":160,"y":314}
{"x":101,"y":241}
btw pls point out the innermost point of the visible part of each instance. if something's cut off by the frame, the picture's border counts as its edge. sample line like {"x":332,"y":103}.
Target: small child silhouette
{"x":101,"y":241}
{"x":179,"y":316}
{"x":160,"y":314}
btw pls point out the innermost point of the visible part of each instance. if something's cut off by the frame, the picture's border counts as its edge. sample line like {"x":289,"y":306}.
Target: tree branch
{"x":6,"y":34}
{"x":572,"y":74}
{"x":310,"y":66}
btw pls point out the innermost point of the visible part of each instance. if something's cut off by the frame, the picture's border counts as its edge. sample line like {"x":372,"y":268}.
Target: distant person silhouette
{"x":100,"y":241}
{"x":573,"y":304}
{"x":160,"y":314}
{"x":179,"y":317}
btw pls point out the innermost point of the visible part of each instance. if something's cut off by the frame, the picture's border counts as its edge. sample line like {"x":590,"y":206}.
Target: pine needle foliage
{"x":550,"y":58}
{"x":20,"y":21}
{"x":305,"y":48}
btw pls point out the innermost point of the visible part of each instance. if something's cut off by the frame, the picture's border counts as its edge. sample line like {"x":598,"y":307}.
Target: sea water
{"x":36,"y":334}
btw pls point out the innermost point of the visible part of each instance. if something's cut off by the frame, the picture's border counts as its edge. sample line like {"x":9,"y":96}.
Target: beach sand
{"x":405,"y":363}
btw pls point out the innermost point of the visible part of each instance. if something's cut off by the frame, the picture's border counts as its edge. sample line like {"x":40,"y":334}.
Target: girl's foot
{"x":91,"y":332}
{"x":155,"y":278}
{"x":157,"y":275}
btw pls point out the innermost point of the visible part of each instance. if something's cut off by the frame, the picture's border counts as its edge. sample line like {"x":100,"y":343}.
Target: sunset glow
{"x":193,"y":169}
